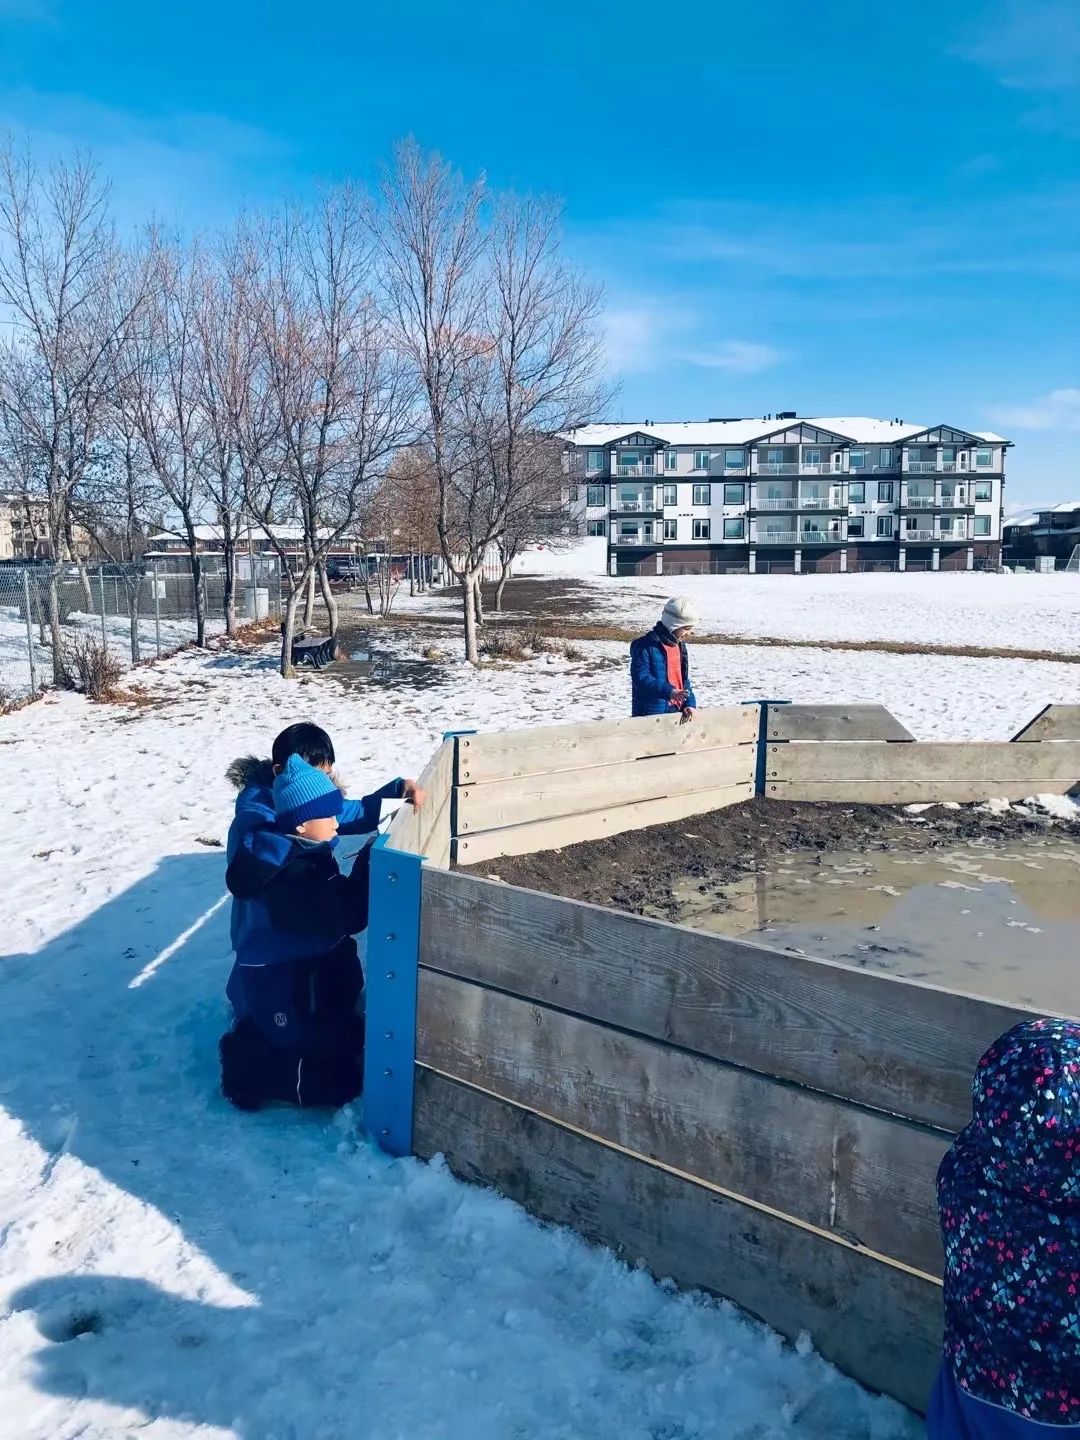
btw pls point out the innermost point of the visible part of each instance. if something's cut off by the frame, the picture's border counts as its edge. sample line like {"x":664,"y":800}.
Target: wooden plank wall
{"x":558,"y":785}
{"x":753,"y":1122}
{"x":427,"y":831}
{"x":848,"y":753}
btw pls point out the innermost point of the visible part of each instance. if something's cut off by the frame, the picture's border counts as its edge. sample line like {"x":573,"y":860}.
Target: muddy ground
{"x":638,"y":870}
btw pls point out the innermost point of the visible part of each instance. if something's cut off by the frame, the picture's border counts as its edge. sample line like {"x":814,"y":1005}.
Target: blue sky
{"x":840,"y":207}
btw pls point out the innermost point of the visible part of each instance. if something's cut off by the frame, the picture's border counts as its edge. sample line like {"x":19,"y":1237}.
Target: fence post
{"x":762,"y":741}
{"x":157,"y":610}
{"x":101,"y":587}
{"x":393,"y":950}
{"x":30,"y":635}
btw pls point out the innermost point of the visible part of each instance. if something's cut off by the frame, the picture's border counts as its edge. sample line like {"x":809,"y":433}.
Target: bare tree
{"x":341,"y":398}
{"x":430,"y":229}
{"x":60,"y":278}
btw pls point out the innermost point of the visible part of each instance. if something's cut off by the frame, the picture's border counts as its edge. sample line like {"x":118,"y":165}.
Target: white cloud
{"x":738,"y":357}
{"x":648,"y":334}
{"x":1057,"y":410}
{"x":1030,"y":44}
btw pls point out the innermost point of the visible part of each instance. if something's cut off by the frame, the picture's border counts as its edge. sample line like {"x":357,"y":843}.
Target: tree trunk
{"x":229,"y":581}
{"x":329,"y":600}
{"x":309,"y":600}
{"x":478,"y":597}
{"x":84,"y":581}
{"x":468,"y":600}
{"x":199,"y":594}
{"x":134,"y":595}
{"x":55,"y":628}
{"x":288,"y":629}
{"x":412,"y":574}
{"x":504,"y":575}
{"x":367,"y":588}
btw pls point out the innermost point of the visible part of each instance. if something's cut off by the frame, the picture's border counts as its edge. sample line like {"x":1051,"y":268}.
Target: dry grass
{"x":89,"y":667}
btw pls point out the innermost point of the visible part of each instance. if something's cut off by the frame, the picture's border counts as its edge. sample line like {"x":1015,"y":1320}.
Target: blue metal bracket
{"x":393,"y":950}
{"x":763,"y":741}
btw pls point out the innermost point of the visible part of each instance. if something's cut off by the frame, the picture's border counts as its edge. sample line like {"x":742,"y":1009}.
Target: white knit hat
{"x":679,"y":614}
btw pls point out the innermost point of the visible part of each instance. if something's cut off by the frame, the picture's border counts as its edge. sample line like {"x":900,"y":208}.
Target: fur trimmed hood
{"x":249,"y":770}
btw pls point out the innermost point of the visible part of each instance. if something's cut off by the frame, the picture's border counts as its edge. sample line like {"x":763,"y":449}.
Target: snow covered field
{"x":173,"y":1269}
{"x":1021,"y":612}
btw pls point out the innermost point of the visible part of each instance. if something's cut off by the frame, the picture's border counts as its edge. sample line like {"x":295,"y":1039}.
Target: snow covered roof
{"x":1021,"y":521}
{"x":861,"y":429}
{"x":216,"y":532}
{"x":1065,"y":507}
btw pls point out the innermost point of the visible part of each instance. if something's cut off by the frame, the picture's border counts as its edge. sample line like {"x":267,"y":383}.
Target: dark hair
{"x":310,"y":742}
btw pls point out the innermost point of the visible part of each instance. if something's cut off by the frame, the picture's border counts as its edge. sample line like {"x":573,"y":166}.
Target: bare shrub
{"x":90,"y":668}
{"x":503,"y":645}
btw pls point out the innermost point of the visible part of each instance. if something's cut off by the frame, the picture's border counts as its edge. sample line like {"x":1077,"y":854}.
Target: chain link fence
{"x":133,"y":612}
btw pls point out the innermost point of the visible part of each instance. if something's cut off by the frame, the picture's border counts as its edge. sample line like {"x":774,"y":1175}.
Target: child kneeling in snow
{"x":297,"y":985}
{"x":1009,"y":1197}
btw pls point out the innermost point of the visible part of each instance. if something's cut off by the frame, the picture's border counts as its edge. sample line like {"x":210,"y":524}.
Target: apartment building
{"x":788,"y":493}
{"x":24,"y":530}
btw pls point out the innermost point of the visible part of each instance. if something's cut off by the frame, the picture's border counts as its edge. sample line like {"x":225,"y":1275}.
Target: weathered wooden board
{"x":418,"y":830}
{"x":981,"y":765}
{"x":834,"y":722}
{"x":552,"y":748}
{"x":439,"y":844}
{"x":895,"y":1045}
{"x":1056,"y":722}
{"x":574,"y":829}
{"x":911,"y":792}
{"x":880,"y":1324}
{"x":856,"y":1173}
{"x":599,"y":787}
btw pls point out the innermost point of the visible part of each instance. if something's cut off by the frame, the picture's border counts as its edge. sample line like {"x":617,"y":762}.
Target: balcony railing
{"x":955,"y":500}
{"x":820,"y":537}
{"x":635,"y":507}
{"x":787,"y":503}
{"x":822,"y":467}
{"x":625,"y":471}
{"x":917,"y":535}
{"x":821,"y":502}
{"x":777,"y":467}
{"x":922,"y":467}
{"x":638,"y":539}
{"x":919,"y":502}
{"x":735,"y":469}
{"x":776,"y":537}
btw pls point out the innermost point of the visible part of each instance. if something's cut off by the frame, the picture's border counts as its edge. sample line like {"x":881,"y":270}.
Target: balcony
{"x":820,"y":537}
{"x":639,"y":538}
{"x":917,"y":537}
{"x":918,"y":502}
{"x":922,"y":467}
{"x":775,"y":537}
{"x":736,"y":470}
{"x":778,"y":467}
{"x":955,"y":500}
{"x":636,"y":507}
{"x":816,"y":468}
{"x":628,"y":472}
{"x":786,"y":503}
{"x":822,"y":502}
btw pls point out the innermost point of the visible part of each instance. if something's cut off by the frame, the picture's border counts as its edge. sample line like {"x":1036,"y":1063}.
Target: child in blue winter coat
{"x":1009,"y":1198}
{"x":296,"y":985}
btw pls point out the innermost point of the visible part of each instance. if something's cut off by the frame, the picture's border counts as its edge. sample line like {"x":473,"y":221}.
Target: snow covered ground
{"x":1022,"y":612}
{"x":171,"y":1268}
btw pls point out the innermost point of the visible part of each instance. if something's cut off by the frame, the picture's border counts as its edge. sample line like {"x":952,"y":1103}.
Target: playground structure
{"x":757,"y":1124}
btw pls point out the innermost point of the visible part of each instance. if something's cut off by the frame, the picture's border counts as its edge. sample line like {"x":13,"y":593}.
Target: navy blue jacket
{"x":650,"y":687}
{"x":294,"y":914}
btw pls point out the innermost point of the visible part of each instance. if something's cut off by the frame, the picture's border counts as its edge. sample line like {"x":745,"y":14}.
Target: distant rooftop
{"x":859,"y":429}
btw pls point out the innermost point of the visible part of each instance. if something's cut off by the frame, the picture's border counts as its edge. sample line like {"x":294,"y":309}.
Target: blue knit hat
{"x":303,"y":793}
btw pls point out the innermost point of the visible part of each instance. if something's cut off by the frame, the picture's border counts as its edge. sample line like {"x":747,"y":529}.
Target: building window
{"x":702,"y":494}
{"x":597,"y":527}
{"x":946,"y":526}
{"x":948,"y":453}
{"x":671,"y":459}
{"x":857,"y":460}
{"x":885,"y":460}
{"x":982,"y":524}
{"x":984,"y":490}
{"x":734,"y":529}
{"x":984,"y":458}
{"x":702,"y":459}
{"x":734,"y":459}
{"x":811,"y":457}
{"x":597,"y":495}
{"x":734,"y":494}
{"x":628,"y":527}
{"x":856,"y":492}
{"x":596,"y":460}
{"x":885,"y":527}
{"x":702,"y":529}
{"x":671,"y":494}
{"x":575,"y":494}
{"x":671,"y":529}
{"x":885,"y":492}
{"x":774,"y":457}
{"x":914,"y":453}
{"x":856,"y":527}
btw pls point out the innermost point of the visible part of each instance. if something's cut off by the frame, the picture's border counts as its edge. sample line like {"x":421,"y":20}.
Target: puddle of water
{"x":1000,"y":921}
